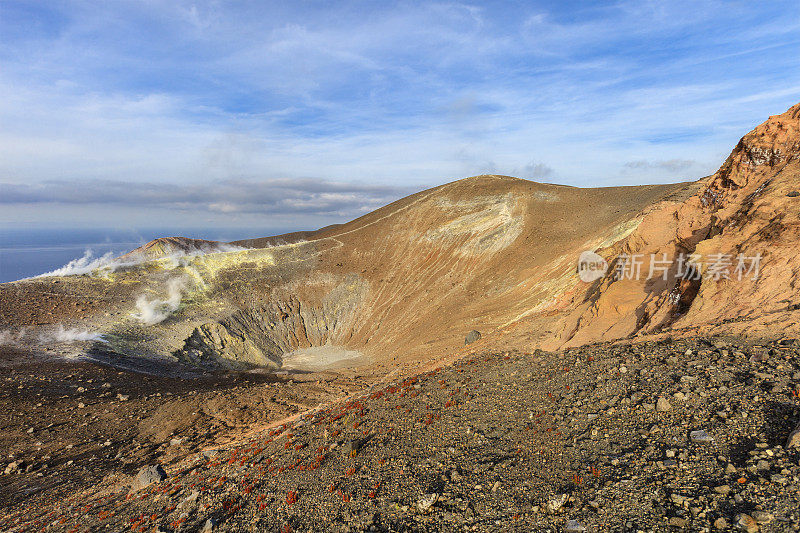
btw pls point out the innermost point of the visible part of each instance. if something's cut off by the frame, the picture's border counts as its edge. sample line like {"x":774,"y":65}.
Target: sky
{"x":295,"y":115}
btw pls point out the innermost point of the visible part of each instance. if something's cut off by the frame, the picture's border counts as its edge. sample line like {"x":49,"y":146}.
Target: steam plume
{"x":82,"y":265}
{"x":62,"y":334}
{"x":157,"y":310}
{"x":89,"y":264}
{"x":9,"y":338}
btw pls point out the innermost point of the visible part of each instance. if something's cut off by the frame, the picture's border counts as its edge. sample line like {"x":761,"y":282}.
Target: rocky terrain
{"x":68,"y":424}
{"x":653,"y":436}
{"x":319,"y":381}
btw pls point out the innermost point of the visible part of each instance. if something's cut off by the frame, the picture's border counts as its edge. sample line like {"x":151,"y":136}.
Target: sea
{"x":28,"y":252}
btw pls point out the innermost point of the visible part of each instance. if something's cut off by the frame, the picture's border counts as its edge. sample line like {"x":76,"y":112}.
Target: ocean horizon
{"x":26,"y":252}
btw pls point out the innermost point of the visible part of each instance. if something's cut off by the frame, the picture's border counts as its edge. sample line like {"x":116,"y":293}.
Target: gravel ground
{"x":68,"y":424}
{"x":656,"y":436}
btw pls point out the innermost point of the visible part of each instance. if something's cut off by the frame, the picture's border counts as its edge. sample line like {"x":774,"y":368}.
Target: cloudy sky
{"x":299,"y":114}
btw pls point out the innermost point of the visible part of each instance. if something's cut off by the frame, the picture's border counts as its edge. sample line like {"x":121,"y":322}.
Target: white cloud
{"x":202,"y":93}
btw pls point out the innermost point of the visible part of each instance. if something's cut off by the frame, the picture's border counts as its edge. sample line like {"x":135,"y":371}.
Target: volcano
{"x":388,"y":298}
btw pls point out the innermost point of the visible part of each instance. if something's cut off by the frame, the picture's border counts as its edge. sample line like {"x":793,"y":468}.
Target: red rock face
{"x":745,"y":210}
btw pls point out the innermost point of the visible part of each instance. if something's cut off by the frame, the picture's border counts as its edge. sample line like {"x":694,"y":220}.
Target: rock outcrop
{"x":724,"y":255}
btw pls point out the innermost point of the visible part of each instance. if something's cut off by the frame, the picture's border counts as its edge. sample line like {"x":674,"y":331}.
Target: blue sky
{"x":300,"y":114}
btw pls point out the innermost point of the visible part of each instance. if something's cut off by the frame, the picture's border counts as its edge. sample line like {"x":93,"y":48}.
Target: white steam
{"x":157,"y":310}
{"x":108,"y":263}
{"x":9,"y":338}
{"x":82,"y":265}
{"x":221,"y":247}
{"x":61,"y":334}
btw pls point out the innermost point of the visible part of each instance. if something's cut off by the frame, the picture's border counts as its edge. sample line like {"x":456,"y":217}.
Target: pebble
{"x":426,"y":502}
{"x":147,"y":476}
{"x":677,"y":521}
{"x":745,"y":522}
{"x":723,"y":489}
{"x":14,"y":467}
{"x":555,"y":505}
{"x":794,"y":438}
{"x":573,"y":526}
{"x":663,"y":405}
{"x":210,"y":525}
{"x":701,"y":436}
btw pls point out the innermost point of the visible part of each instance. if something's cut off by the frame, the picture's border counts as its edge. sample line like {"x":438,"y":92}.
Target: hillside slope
{"x":401,"y":283}
{"x":493,"y":253}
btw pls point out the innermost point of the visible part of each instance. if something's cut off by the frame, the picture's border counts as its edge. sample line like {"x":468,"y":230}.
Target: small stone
{"x":352,"y":447}
{"x":426,"y":502}
{"x":723,"y":489}
{"x":721,"y":524}
{"x":472,"y":336}
{"x":793,"y":194}
{"x":15,"y":467}
{"x":677,"y":521}
{"x":210,"y":525}
{"x":745,"y":522}
{"x":147,"y":476}
{"x":663,"y":405}
{"x":701,"y":436}
{"x":794,"y":438}
{"x":762,"y":517}
{"x":555,"y":505}
{"x":679,"y":499}
{"x":123,"y":397}
{"x":573,"y":526}
{"x":189,"y":501}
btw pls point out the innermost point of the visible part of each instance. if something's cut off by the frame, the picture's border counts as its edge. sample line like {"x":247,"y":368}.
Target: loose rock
{"x":472,"y":336}
{"x":147,"y":476}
